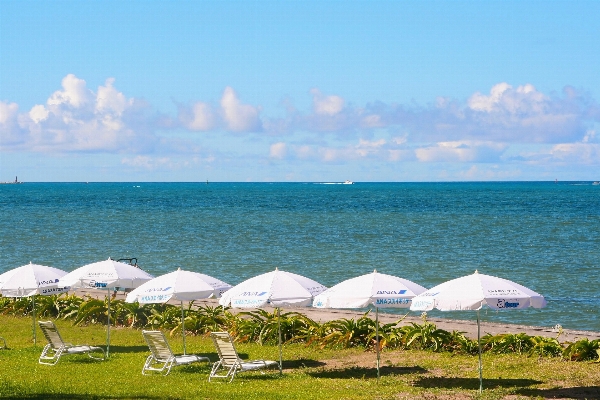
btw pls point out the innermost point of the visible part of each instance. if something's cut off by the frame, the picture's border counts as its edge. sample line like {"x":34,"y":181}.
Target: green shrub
{"x":583,"y":350}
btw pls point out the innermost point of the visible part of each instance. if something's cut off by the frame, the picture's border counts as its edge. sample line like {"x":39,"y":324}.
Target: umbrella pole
{"x":183,"y":327}
{"x":108,"y":324}
{"x":377,"y":336}
{"x":480,"y":365}
{"x":279,"y":329}
{"x":33,"y":315}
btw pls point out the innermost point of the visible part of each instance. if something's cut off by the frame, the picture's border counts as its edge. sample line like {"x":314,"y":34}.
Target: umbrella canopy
{"x":106,"y":275}
{"x":278,"y":289}
{"x":472,"y":292}
{"x":178,"y":285}
{"x":30,"y":280}
{"x":379,"y":290}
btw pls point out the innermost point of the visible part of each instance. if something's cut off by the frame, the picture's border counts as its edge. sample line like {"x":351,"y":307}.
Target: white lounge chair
{"x":230,"y":361}
{"x":57,"y":347}
{"x":162,"y":358}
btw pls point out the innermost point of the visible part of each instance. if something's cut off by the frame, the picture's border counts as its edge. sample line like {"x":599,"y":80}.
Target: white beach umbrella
{"x":178,"y":285}
{"x":472,"y":292}
{"x":31,"y":280}
{"x":108,"y":274}
{"x":376,"y":289}
{"x":277,"y":289}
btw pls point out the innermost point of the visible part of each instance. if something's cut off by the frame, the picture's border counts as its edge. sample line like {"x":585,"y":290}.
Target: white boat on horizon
{"x":348,"y":182}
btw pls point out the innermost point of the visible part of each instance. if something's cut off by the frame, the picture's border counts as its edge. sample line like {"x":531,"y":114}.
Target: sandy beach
{"x":448,"y":324}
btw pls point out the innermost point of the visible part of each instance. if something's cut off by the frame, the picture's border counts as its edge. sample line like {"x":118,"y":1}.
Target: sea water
{"x":543,"y":235}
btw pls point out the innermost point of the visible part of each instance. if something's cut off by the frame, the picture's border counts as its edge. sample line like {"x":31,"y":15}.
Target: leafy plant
{"x":390,"y":335}
{"x":92,"y":311}
{"x":164,"y":316}
{"x":346,"y":332}
{"x":459,"y":343}
{"x":131,"y":314}
{"x":425,"y":336}
{"x":507,"y":343}
{"x":545,"y":347}
{"x":583,"y":350}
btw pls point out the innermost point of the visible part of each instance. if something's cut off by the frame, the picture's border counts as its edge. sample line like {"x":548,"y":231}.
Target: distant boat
{"x":348,"y":183}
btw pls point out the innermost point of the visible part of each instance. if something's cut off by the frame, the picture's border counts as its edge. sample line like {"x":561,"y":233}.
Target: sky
{"x":299,"y":91}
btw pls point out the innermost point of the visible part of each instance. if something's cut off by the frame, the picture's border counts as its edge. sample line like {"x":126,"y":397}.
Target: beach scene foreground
{"x":308,"y":371}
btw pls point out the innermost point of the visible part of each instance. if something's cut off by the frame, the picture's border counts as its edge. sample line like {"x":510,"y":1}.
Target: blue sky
{"x":299,"y":91}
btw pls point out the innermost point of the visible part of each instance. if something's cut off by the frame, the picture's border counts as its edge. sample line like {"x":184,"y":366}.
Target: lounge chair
{"x":162,"y":358}
{"x":57,"y":347}
{"x":230,"y":361}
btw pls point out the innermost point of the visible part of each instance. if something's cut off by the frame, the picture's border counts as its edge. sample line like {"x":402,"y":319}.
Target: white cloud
{"x":579,"y":153}
{"x":238,"y":117}
{"x":75,"y":119}
{"x":8,"y":112}
{"x":461,"y":151}
{"x":74,"y":93}
{"x":278,"y":150}
{"x":482,"y":102}
{"x":372,"y":121}
{"x":489,"y":173}
{"x":326,"y":105}
{"x":366,"y":148}
{"x":38,"y":113}
{"x":202,"y":118}
{"x":11,"y":132}
{"x":590,"y":135}
{"x":148,"y":162}
{"x":503,"y":98}
{"x":230,"y":114}
{"x":109,"y":100}
{"x":305,"y":152}
{"x":490,"y":129}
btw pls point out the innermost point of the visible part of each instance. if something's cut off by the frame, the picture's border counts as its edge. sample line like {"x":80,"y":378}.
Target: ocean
{"x":543,"y":235}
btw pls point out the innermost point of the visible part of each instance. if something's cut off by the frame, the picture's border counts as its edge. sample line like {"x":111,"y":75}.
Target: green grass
{"x":309,"y":373}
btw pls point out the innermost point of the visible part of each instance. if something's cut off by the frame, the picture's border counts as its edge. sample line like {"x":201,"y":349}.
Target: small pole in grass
{"x":377,"y":336}
{"x":279,"y":328}
{"x":480,"y":365}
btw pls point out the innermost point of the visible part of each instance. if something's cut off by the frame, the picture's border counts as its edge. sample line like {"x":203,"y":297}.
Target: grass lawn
{"x":309,"y":373}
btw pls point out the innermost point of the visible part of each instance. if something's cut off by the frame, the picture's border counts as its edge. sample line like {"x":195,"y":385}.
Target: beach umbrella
{"x":374,"y":289}
{"x":31,"y":280}
{"x":178,"y":285}
{"x":277,"y":289}
{"x":473,"y":292}
{"x":108,"y":274}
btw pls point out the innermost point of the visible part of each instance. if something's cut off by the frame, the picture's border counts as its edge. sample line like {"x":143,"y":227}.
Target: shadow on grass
{"x":578,"y":392}
{"x":302,"y":363}
{"x":362,"y":372}
{"x":127,"y":349}
{"x":472,"y":383}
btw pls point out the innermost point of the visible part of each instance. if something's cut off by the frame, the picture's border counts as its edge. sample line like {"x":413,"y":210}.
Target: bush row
{"x":263,"y":326}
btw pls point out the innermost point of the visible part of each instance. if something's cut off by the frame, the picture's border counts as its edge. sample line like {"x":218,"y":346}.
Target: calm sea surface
{"x":543,"y":235}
